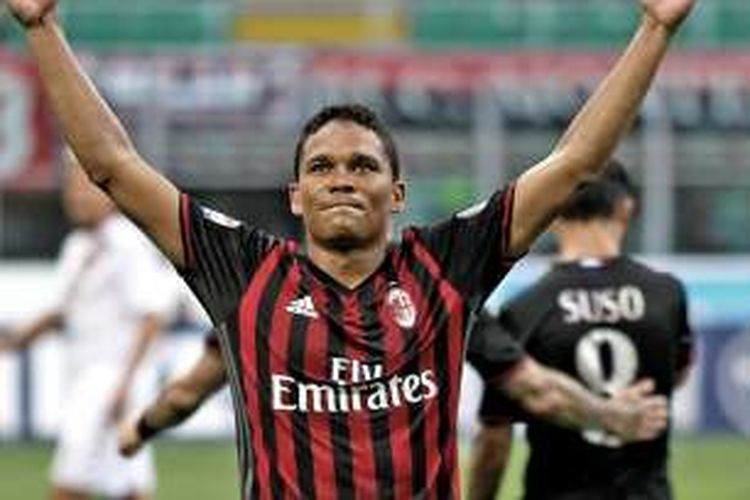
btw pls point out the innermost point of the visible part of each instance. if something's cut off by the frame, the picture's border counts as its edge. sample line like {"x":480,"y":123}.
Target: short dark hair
{"x":598,"y":198}
{"x":355,"y":113}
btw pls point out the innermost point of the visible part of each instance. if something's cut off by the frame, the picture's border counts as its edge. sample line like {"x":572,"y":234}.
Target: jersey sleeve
{"x":472,"y":246}
{"x":494,"y":350}
{"x":685,"y":338}
{"x":221,"y":256}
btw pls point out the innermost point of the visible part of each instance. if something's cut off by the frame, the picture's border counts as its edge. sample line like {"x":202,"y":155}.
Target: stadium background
{"x":476,"y":90}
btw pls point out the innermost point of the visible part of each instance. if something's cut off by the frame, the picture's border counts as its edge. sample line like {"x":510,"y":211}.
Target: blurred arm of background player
{"x":94,"y":133}
{"x":150,"y":328}
{"x":633,"y":414}
{"x":560,"y":399}
{"x":554,"y":396}
{"x":490,"y":453}
{"x":23,"y":337}
{"x":176,"y":402}
{"x":593,"y":135}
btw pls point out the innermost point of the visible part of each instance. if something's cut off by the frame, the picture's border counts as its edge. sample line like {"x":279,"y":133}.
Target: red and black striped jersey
{"x":346,"y":393}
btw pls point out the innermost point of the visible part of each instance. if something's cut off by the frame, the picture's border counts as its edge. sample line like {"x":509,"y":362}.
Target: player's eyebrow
{"x":368,"y":158}
{"x":318,"y":158}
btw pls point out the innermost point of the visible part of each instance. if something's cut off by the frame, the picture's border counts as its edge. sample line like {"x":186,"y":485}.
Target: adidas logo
{"x":303,"y":307}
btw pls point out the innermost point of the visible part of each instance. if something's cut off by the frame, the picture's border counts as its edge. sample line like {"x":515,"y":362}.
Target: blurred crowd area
{"x":214,"y":92}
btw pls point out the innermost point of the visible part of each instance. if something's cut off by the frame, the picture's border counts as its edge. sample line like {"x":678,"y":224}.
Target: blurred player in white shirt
{"x":113,"y":294}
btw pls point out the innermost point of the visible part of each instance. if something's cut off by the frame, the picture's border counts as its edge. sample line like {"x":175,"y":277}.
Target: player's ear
{"x":556,"y":226}
{"x":624,"y":210}
{"x":295,"y":203}
{"x":398,"y":196}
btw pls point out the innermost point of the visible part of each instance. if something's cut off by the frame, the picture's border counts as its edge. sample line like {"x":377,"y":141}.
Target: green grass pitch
{"x":716,"y":468}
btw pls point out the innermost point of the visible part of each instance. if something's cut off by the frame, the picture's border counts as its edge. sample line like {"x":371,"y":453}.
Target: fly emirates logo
{"x":355,"y":386}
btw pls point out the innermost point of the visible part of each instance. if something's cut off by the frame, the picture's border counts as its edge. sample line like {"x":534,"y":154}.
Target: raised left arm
{"x":593,"y":135}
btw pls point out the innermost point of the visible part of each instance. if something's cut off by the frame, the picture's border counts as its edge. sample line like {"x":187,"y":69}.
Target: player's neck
{"x":590,"y":240}
{"x":350,"y":268}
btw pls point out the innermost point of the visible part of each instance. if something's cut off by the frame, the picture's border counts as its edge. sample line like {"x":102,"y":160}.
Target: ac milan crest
{"x":402,"y":307}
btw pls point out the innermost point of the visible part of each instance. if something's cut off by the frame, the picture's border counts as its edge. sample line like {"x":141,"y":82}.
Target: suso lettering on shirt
{"x":604,"y":305}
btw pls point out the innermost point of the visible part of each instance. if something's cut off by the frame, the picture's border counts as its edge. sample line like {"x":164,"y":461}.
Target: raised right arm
{"x":95,"y":135}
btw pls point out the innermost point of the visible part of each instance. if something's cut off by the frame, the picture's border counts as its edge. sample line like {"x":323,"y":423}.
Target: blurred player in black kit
{"x":605,"y":319}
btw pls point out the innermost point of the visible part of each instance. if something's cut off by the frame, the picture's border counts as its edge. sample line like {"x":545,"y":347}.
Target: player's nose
{"x":341,"y":180}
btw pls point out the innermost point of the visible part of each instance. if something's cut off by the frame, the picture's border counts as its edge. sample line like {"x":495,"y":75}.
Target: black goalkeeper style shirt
{"x":346,"y":393}
{"x":608,"y":324}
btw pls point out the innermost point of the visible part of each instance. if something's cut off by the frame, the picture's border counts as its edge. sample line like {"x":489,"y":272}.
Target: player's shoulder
{"x":649,"y":276}
{"x":124,"y":237}
{"x":249,"y":231}
{"x":635,"y":266}
{"x":74,"y":239}
{"x":74,"y":244}
{"x":218,"y":217}
{"x":541,"y":291}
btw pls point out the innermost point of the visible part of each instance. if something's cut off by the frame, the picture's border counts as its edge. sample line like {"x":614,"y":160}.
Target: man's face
{"x":85,"y":204}
{"x":346,"y":193}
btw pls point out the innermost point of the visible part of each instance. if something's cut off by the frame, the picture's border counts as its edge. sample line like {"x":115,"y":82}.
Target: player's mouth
{"x":344,"y":205}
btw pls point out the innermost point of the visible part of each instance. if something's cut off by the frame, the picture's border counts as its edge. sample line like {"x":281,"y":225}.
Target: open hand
{"x":644,"y":415}
{"x":30,"y":12}
{"x":669,"y":13}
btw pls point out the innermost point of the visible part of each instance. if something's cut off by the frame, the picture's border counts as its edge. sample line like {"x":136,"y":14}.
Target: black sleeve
{"x":493,"y":346}
{"x":472,"y":246}
{"x":685,"y":337}
{"x":495,"y":407}
{"x":221,"y":255}
{"x":495,"y":350}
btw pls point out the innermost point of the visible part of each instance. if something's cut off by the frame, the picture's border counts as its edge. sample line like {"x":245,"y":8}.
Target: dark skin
{"x":346,"y":194}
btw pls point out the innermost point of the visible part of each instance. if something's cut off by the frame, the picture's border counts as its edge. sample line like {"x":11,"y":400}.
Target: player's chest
{"x":374,"y":309}
{"x":304,"y":321}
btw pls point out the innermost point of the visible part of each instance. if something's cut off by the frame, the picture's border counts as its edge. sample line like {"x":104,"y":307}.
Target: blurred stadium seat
{"x":570,"y":24}
{"x":320,"y":21}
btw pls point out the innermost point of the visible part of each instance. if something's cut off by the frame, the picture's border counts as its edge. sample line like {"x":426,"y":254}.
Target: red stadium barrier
{"x":26,"y":139}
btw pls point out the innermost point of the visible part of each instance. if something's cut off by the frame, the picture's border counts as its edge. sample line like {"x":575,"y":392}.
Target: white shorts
{"x":86,"y":458}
